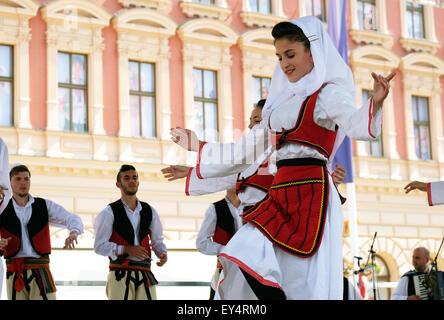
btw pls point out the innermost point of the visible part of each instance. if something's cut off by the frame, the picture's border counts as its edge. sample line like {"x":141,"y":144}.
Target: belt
{"x":301,"y":162}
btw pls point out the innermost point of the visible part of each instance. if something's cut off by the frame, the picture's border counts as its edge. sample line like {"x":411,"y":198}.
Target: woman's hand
{"x":175,"y":172}
{"x":415,"y":185}
{"x":185,"y":138}
{"x":339,"y":174}
{"x":381,"y":88}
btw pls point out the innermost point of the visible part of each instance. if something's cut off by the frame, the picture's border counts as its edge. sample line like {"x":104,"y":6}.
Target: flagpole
{"x":353,"y":223}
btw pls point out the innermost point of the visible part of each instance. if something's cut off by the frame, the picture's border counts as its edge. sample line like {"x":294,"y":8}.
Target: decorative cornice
{"x":420,"y":45}
{"x":252,"y":19}
{"x":193,"y":9}
{"x":372,"y":37}
{"x":158,"y":5}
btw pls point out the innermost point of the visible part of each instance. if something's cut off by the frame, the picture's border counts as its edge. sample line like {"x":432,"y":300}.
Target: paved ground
{"x":90,"y":270}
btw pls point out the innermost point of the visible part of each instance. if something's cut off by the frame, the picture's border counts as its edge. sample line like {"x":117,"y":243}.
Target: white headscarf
{"x":328,"y":67}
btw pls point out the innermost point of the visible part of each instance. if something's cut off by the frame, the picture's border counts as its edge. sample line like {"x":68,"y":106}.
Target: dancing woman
{"x":291,"y":246}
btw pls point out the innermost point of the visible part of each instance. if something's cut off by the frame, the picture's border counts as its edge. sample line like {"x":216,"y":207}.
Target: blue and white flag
{"x":337,"y":29}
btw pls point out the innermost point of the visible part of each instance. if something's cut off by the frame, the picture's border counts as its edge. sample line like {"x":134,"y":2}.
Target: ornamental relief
{"x":206,"y":56}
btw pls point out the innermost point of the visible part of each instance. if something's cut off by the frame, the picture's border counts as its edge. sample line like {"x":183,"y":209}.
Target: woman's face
{"x":295,"y":60}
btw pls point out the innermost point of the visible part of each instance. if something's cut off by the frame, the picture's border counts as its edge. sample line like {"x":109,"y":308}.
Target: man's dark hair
{"x":291,"y":32}
{"x":18,"y":169}
{"x":124,"y":168}
{"x":260,"y":103}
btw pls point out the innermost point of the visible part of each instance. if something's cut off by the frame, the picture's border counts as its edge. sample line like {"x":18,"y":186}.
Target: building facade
{"x":86,"y":86}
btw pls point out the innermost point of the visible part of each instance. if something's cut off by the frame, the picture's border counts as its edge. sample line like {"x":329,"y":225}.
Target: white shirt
{"x":103,"y":229}
{"x":4,"y":175}
{"x":333,"y":106}
{"x":401,"y":291}
{"x":435,"y":193}
{"x":204,"y":244}
{"x":57,"y":216}
{"x":248,"y":197}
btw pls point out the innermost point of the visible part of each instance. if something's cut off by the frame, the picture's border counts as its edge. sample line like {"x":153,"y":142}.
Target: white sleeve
{"x":60,"y":217}
{"x":435,"y":193}
{"x":400,"y":292}
{"x":336,"y":107}
{"x":156,"y":235}
{"x":196,"y":187}
{"x":4,"y":175}
{"x":222,"y":159}
{"x":103,"y":229}
{"x":204,"y":244}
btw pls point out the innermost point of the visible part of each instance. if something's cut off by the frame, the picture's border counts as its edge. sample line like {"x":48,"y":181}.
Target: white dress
{"x":320,"y":276}
{"x":435,"y":193}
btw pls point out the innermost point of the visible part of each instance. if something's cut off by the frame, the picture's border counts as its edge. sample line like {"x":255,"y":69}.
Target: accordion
{"x":429,"y":286}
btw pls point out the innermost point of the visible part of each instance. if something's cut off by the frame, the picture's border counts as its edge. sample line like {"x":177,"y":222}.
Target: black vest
{"x":38,"y":228}
{"x":224,"y":224}
{"x":122,"y":225}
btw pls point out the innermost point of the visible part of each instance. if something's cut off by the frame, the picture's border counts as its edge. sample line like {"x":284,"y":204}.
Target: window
{"x":367,"y":14}
{"x":317,"y":9}
{"x":260,"y":6}
{"x":260,"y":88}
{"x":205,"y":105}
{"x":421,"y":127}
{"x":6,"y":86}
{"x":374,"y":147}
{"x":204,"y":1}
{"x":72,"y":92}
{"x":415,"y":20}
{"x":142,"y":99}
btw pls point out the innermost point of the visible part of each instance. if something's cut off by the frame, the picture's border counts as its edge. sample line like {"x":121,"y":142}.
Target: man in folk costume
{"x":435,"y":190}
{"x":221,"y":222}
{"x":5,"y":195}
{"x":126,"y":231}
{"x":25,"y":225}
{"x":291,"y":245}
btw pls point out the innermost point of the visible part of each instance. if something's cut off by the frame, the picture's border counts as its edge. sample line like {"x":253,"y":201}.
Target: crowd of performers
{"x":278,"y":232}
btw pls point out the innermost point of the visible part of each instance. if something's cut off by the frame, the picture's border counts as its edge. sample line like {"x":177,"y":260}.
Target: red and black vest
{"x":38,"y":229}
{"x":261,"y":179}
{"x":294,"y":220}
{"x":123,"y":231}
{"x":224,"y":223}
{"x":307,"y":132}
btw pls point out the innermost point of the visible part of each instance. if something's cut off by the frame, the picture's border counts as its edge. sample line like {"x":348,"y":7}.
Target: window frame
{"x":378,"y":141}
{"x":324,"y":10}
{"x":141,"y":94}
{"x":71,"y":87}
{"x":418,"y":123}
{"x":212,"y":2}
{"x":258,"y":5}
{"x":11,"y":81}
{"x":414,"y":9}
{"x":261,"y":80}
{"x":208,"y":100}
{"x":361,"y":18}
